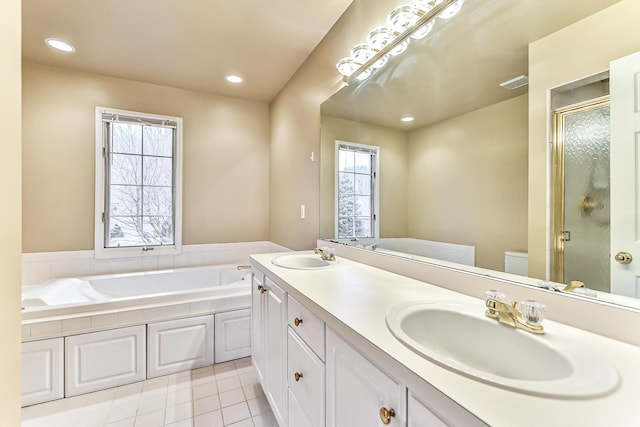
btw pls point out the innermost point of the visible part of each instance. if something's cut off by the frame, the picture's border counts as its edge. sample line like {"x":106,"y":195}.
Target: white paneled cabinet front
{"x":421,"y":416}
{"x":269,"y":342}
{"x":179,"y":345}
{"x":358,"y":393}
{"x":42,"y":371}
{"x":100,"y":360}
{"x":232,"y":335}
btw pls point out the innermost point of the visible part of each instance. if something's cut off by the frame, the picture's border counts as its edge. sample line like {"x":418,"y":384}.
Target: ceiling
{"x":458,"y":67}
{"x":189,"y":44}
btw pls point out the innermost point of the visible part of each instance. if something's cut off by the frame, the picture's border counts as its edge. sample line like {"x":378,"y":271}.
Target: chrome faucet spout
{"x":326,"y":254}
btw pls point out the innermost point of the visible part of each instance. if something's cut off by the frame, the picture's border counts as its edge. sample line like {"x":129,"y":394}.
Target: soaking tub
{"x":84,"y":334}
{"x":69,"y":296}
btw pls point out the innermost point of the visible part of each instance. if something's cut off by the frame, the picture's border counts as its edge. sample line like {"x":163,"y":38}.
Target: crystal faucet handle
{"x":533,"y":311}
{"x":494,"y":295}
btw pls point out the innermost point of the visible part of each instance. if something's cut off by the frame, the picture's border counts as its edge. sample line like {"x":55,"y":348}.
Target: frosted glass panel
{"x":587,"y":208}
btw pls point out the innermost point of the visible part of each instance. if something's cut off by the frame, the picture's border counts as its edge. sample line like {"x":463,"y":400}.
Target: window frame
{"x":100,"y":251}
{"x":375,"y":209}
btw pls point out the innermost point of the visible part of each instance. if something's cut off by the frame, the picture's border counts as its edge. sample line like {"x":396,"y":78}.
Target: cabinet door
{"x":357,"y":391}
{"x":42,"y":371}
{"x":180,"y":345}
{"x":257,"y":324}
{"x":275,"y":346}
{"x":232,"y":335}
{"x":104,"y":359}
{"x":421,"y":416}
{"x":305,"y":377}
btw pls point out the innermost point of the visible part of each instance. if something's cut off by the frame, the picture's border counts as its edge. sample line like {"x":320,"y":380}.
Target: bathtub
{"x":150,"y":324}
{"x":90,"y":294}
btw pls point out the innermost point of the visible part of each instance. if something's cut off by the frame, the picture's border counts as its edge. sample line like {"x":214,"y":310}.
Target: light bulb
{"x":403,"y":17}
{"x":362,"y":53}
{"x":382,"y":36}
{"x":346,"y":66}
{"x":450,"y":11}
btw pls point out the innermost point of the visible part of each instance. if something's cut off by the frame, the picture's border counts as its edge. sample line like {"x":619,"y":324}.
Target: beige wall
{"x":295,"y":127}
{"x":468,"y":181}
{"x":578,"y":51}
{"x":225,"y":166}
{"x":10,"y":112}
{"x":393,"y":146}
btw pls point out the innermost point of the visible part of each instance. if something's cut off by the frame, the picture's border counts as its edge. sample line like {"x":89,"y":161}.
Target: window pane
{"x":345,"y":160}
{"x":363,"y":226}
{"x":125,"y":200}
{"x":346,"y":185}
{"x":158,"y":141}
{"x":158,"y":171}
{"x":363,"y":163}
{"x":127,"y":138}
{"x":125,"y":169}
{"x":158,"y":230}
{"x":124,"y":231}
{"x":363,"y":206}
{"x":345,"y":227}
{"x":158,"y":201}
{"x":363,"y":184}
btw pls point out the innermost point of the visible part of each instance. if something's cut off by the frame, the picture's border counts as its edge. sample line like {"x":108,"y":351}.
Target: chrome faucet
{"x":325,"y":253}
{"x":528,"y":319}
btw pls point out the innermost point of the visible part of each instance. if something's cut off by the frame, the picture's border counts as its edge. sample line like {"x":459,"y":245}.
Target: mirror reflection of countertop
{"x":353,"y":299}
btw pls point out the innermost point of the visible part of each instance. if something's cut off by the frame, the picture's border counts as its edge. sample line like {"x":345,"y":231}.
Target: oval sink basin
{"x":303,"y":262}
{"x":463,"y":339}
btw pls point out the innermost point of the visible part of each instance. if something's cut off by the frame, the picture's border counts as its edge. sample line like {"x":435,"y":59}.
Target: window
{"x":356,"y":190}
{"x":138,"y":183}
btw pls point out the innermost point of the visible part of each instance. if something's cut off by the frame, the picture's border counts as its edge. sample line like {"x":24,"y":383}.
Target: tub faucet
{"x":573,"y":285}
{"x":325,"y":253}
{"x":528,"y":319}
{"x":244,"y":267}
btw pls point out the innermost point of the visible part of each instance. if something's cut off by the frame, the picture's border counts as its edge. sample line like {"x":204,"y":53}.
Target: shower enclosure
{"x":581,"y":188}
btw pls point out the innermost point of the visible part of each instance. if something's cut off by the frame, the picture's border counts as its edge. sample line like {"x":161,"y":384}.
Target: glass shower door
{"x":581,"y":183}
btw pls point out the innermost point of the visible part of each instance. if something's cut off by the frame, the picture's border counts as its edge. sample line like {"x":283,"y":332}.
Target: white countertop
{"x":355,"y":298}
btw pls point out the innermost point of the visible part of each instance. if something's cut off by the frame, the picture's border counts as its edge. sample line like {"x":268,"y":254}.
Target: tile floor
{"x":227,"y":394}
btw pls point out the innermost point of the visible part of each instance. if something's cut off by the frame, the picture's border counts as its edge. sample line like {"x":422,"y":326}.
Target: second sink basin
{"x":303,"y":262}
{"x":462,"y":338}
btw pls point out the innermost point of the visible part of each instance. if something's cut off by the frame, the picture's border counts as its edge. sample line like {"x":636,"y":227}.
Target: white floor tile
{"x":225,"y":395}
{"x":235,"y":413}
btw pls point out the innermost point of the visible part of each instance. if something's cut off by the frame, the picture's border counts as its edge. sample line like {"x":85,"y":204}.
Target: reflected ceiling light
{"x":403,"y":23}
{"x":60,"y":45}
{"x":232,"y":78}
{"x":407,"y":119}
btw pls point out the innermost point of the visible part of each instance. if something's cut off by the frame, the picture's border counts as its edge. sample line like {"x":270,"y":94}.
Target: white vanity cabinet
{"x":179,"y":345}
{"x":100,"y":360}
{"x":270,"y":316}
{"x":42,"y":371}
{"x":257,"y":324}
{"x":358,"y":393}
{"x":421,"y":416}
{"x":305,"y":366}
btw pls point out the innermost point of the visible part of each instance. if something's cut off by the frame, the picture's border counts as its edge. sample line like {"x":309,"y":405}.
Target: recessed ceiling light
{"x":60,"y":45}
{"x":232,"y":78}
{"x":407,"y":119}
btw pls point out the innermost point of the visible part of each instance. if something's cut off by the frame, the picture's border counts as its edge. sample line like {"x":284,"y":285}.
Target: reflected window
{"x":356,"y":190}
{"x":137,"y":182}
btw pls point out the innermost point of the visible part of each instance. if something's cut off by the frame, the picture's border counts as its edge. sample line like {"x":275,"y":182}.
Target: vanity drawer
{"x":305,"y":377}
{"x":307,"y":325}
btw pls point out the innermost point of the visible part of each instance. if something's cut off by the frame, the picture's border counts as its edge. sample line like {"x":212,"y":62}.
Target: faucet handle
{"x":493,"y":295}
{"x":533,"y":311}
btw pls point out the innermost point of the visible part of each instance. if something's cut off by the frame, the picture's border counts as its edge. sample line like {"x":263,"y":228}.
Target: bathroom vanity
{"x":325,"y":356}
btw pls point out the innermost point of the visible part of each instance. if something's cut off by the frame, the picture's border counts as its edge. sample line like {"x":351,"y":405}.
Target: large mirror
{"x":508,"y":182}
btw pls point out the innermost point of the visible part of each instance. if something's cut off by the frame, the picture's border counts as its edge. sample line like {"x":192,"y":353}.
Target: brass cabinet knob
{"x":297,"y":321}
{"x":260,"y":288}
{"x":297,"y":376}
{"x":386,"y":415}
{"x":623,"y":257}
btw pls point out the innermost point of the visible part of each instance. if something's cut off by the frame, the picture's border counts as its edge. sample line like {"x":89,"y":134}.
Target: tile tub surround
{"x":227,"y":394}
{"x":40,"y":267}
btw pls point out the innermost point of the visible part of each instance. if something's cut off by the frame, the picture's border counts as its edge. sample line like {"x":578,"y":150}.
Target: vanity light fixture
{"x":60,"y":45}
{"x":403,"y":23}
{"x":235,"y":79}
